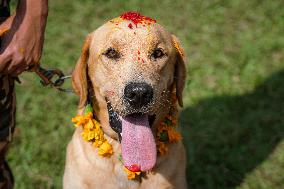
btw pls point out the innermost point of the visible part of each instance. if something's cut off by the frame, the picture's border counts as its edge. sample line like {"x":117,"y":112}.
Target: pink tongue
{"x":138,"y":143}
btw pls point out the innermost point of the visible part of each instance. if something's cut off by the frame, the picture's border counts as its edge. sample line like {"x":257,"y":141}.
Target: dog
{"x":128,"y":71}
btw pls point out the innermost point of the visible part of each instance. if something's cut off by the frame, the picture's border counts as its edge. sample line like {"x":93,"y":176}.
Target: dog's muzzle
{"x":138,"y":146}
{"x":138,"y":95}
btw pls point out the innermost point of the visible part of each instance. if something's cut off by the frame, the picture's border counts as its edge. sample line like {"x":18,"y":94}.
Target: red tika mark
{"x":138,"y":52}
{"x":138,"y":58}
{"x":143,"y":60}
{"x":110,"y":93}
{"x":130,"y":26}
{"x":136,"y":18}
{"x":133,"y":168}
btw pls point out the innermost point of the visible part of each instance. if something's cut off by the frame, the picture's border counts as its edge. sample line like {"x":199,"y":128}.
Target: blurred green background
{"x":233,"y":119}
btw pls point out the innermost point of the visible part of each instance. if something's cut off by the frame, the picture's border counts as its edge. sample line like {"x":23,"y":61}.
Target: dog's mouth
{"x":138,"y":144}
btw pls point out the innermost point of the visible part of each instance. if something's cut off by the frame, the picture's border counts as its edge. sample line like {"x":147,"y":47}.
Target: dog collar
{"x":114,"y":121}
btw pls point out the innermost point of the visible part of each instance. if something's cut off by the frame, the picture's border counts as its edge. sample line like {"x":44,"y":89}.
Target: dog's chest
{"x":109,"y":174}
{"x":97,"y":171}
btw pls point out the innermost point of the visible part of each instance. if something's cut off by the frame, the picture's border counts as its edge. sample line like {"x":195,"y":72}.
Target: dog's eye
{"x":112,"y":53}
{"x":157,"y":53}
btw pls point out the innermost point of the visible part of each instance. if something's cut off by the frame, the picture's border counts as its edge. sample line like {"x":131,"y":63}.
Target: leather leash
{"x":51,"y":77}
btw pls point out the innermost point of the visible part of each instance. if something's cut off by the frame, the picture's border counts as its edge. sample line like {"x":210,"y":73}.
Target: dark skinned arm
{"x":21,"y":45}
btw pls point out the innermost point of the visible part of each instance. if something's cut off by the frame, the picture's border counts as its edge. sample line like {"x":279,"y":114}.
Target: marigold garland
{"x":92,"y":132}
{"x":166,"y":130}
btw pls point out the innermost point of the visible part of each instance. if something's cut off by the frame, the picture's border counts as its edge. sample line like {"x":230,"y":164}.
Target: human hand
{"x":21,"y":45}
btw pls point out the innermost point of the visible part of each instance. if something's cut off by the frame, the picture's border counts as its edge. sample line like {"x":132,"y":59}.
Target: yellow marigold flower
{"x":105,"y":149}
{"x":131,"y":175}
{"x":89,"y":125}
{"x":88,"y":135}
{"x":97,"y":124}
{"x":97,"y":143}
{"x":99,"y":136}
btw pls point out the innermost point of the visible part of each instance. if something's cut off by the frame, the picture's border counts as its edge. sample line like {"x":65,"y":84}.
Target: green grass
{"x":233,"y":119}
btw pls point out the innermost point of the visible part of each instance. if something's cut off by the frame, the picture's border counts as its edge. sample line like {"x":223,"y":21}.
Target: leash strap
{"x":47,"y":77}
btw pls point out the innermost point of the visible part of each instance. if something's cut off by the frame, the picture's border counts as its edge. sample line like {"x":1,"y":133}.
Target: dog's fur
{"x":104,"y":79}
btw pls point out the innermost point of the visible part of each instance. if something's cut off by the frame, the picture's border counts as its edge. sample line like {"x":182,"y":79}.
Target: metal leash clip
{"x":47,"y":77}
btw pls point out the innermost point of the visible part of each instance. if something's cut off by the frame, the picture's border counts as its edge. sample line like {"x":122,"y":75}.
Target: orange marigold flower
{"x":162,"y":148}
{"x":79,"y":120}
{"x":89,"y":115}
{"x":174,"y":136}
{"x":174,"y":122}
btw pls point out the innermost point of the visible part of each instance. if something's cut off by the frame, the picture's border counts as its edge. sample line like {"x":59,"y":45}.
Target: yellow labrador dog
{"x":128,"y":70}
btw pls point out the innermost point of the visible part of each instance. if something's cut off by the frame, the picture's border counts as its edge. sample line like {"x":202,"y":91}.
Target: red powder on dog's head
{"x":136,"y":18}
{"x":130,"y":26}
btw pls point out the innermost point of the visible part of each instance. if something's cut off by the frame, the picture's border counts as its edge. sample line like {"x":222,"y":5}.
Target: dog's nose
{"x":138,"y":94}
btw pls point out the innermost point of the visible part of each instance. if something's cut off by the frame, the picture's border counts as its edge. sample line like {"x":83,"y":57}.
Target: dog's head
{"x":129,"y":68}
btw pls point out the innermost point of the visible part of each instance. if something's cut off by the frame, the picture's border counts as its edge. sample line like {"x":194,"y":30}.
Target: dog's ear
{"x":180,"y":69}
{"x":79,"y":76}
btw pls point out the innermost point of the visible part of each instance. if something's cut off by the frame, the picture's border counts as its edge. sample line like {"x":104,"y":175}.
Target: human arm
{"x":21,"y":46}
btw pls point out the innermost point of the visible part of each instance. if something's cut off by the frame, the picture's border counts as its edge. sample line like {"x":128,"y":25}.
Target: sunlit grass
{"x":233,"y":119}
